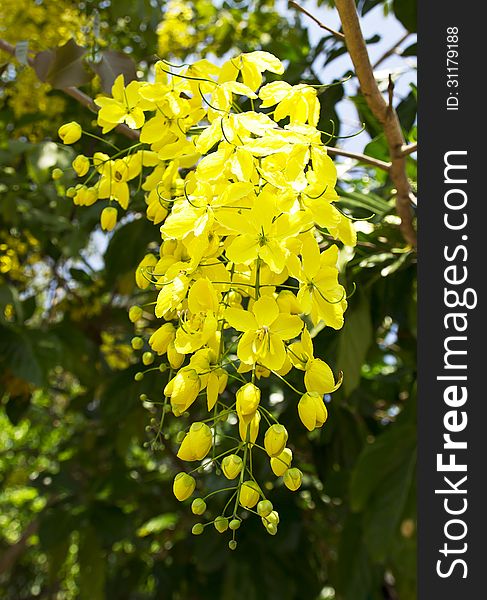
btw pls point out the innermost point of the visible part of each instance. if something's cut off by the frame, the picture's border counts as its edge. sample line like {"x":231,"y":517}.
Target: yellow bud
{"x":248,"y":398}
{"x":142,"y":274}
{"x":254,"y":428}
{"x":174,"y":357}
{"x":288,"y":303}
{"x":232,"y":466}
{"x":108,"y":218}
{"x":85,"y":196}
{"x":168,"y":247}
{"x":249,"y":494}
{"x":271,"y":521}
{"x":183,"y":390}
{"x":319,"y":377}
{"x":312,"y":410}
{"x":162,"y":337}
{"x":217,"y":382}
{"x":135,"y":313}
{"x":183,"y":486}
{"x":81,"y":165}
{"x":280,"y":464}
{"x":196,"y":443}
{"x":292,"y":479}
{"x":275,"y":439}
{"x":70,"y":132}
{"x":56,"y":174}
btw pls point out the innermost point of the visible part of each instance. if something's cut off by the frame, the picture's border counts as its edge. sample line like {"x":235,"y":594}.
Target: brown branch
{"x":386,"y":115}
{"x":295,"y":5}
{"x":408,"y":149}
{"x":364,"y":158}
{"x":77,"y":94}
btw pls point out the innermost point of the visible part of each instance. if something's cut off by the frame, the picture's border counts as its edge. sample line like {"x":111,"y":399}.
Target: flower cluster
{"x":245,"y":202}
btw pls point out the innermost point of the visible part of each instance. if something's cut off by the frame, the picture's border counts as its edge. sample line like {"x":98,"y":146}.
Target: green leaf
{"x":381,"y":483}
{"x":158,"y":524}
{"x":62,"y":67}
{"x":353,"y":343}
{"x":406,"y":12}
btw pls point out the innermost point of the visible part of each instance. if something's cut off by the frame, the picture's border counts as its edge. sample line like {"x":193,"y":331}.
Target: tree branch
{"x":385,"y":114}
{"x":408,"y":149}
{"x":77,"y":94}
{"x":364,"y":158}
{"x":295,"y":5}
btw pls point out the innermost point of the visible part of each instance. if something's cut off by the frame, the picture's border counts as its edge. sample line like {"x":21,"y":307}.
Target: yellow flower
{"x":183,"y":390}
{"x":292,"y":479}
{"x":70,"y":132}
{"x":265,"y":330}
{"x":201,"y":323}
{"x":231,"y":466}
{"x":281,"y":463}
{"x":108,"y":218}
{"x":123,"y":107}
{"x":197,"y":443}
{"x":162,"y":337}
{"x":249,"y":494}
{"x":262,"y":234}
{"x":250,"y":66}
{"x":85,"y":196}
{"x":312,"y":410}
{"x":275,"y":440}
{"x":183,"y":486}
{"x":298,"y":102}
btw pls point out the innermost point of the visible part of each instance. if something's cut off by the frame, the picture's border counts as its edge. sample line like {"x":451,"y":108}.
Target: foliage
{"x":87,"y":504}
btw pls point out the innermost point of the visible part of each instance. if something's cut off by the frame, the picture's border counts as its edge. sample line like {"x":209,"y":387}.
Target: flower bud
{"x":248,"y":398}
{"x":86,"y":196}
{"x":147,"y":358}
{"x":196,"y":443}
{"x":312,"y":410}
{"x":319,"y":377}
{"x":231,"y":466}
{"x":135,"y":313}
{"x":232,"y":544}
{"x":275,"y":439}
{"x":108,"y":218}
{"x":197,"y":529}
{"x":249,"y":494}
{"x":162,"y":337}
{"x":56,"y":174}
{"x":142,"y":273}
{"x":137,"y":343}
{"x":280,"y":464}
{"x":183,"y":486}
{"x":183,"y":390}
{"x":174,"y":357}
{"x":221,"y":524}
{"x":292,"y":479}
{"x":264,"y":508}
{"x":70,"y":132}
{"x":198,"y":506}
{"x":234,"y":524}
{"x":81,"y":165}
{"x":254,"y":428}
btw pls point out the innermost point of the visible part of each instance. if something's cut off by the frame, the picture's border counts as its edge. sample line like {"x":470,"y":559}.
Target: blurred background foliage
{"x":86,"y":508}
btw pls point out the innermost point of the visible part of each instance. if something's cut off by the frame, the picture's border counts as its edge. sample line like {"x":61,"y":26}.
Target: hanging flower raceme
{"x":246,"y":268}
